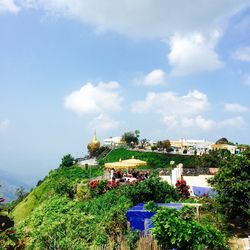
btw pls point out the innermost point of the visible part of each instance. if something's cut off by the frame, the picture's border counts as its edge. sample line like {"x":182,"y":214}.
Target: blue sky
{"x":171,"y":69}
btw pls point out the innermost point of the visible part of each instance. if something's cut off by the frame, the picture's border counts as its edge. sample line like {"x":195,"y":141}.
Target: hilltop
{"x":154,"y":159}
{"x":57,"y":181}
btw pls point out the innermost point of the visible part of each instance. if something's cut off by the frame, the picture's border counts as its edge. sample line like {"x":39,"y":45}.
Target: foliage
{"x":178,"y":229}
{"x":131,"y":137}
{"x":8,"y":239}
{"x":163,"y":144}
{"x":64,"y":187}
{"x":222,"y":140}
{"x":20,"y":193}
{"x":182,"y":188}
{"x":151,"y":189}
{"x":212,"y":159}
{"x":154,"y":160}
{"x":67,"y":161}
{"x":63,"y":223}
{"x":98,"y":152}
{"x":233,"y":186}
{"x":60,"y":223}
{"x":210,"y":214}
{"x":97,"y":187}
{"x":132,"y":238}
{"x":151,"y":206}
{"x":46,"y":189}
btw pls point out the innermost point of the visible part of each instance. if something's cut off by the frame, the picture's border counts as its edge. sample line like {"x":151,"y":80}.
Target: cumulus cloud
{"x":8,"y":6}
{"x":145,"y":18}
{"x":4,"y":124}
{"x":170,"y":103}
{"x":242,"y":54}
{"x":235,"y":122}
{"x":176,"y":110}
{"x":155,"y":77}
{"x":183,"y":111}
{"x":193,"y":53}
{"x":235,"y":107}
{"x":96,"y":101}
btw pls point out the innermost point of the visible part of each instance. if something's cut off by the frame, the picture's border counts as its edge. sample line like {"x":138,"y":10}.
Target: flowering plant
{"x":182,"y":188}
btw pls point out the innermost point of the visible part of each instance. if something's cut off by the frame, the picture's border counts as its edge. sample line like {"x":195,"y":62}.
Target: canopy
{"x":136,"y":162}
{"x":118,"y":165}
{"x":131,"y":163}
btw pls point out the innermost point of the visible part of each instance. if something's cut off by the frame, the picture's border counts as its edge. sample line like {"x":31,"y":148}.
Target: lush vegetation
{"x":233,"y":188}
{"x":65,"y":223}
{"x":70,"y":209}
{"x":179,"y":230}
{"x":62,"y":178}
{"x":154,"y":160}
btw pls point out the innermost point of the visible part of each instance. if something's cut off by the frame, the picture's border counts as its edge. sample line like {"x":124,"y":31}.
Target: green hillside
{"x":57,"y":179}
{"x":154,"y":160}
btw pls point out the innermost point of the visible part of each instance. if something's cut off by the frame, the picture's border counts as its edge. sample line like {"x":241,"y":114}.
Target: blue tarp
{"x":200,"y":191}
{"x":139,"y":218}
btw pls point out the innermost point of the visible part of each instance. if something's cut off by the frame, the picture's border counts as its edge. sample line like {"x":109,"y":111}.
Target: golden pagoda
{"x":94,"y":144}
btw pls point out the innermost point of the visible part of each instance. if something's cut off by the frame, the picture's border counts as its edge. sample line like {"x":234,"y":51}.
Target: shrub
{"x":178,"y":229}
{"x":182,"y":188}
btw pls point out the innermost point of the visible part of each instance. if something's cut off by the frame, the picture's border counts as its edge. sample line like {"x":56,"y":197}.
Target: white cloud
{"x":193,"y":53}
{"x":8,"y":6}
{"x":94,"y":99}
{"x":235,"y":107}
{"x":145,"y":18}
{"x":234,"y":122}
{"x":155,"y":77}
{"x":242,"y":54}
{"x":4,"y":124}
{"x":169,"y":103}
{"x":198,"y":122}
{"x":104,"y":122}
{"x":176,"y":110}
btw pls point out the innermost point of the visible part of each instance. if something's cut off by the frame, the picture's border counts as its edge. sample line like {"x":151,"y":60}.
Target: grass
{"x":154,"y":160}
{"x":42,"y":192}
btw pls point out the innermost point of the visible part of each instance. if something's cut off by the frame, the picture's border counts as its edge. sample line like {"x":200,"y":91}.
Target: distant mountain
{"x":9,"y":182}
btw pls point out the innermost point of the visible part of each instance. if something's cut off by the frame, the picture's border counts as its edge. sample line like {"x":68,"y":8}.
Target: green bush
{"x":178,"y":229}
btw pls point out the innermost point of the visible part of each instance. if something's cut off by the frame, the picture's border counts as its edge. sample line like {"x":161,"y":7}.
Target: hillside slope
{"x":57,"y":179}
{"x":154,"y":160}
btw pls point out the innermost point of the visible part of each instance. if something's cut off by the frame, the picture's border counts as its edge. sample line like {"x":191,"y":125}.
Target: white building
{"x":113,"y":141}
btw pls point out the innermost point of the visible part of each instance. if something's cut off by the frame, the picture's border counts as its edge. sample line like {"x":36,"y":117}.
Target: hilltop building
{"x":200,"y":146}
{"x":113,"y":141}
{"x":231,"y":148}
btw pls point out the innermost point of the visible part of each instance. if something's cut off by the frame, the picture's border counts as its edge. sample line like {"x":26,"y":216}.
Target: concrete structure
{"x":200,"y":146}
{"x":230,"y":148}
{"x":113,"y":141}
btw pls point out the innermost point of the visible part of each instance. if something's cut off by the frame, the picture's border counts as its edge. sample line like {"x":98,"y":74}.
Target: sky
{"x":172,"y":69}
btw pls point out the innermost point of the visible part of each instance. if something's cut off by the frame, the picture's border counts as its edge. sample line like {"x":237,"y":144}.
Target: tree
{"x":8,"y":239}
{"x":233,"y":187}
{"x":67,"y":161}
{"x":222,"y":140}
{"x":20,"y":193}
{"x":137,"y":133}
{"x":144,"y":142}
{"x":166,"y":144}
{"x":130,"y":138}
{"x":179,"y":230}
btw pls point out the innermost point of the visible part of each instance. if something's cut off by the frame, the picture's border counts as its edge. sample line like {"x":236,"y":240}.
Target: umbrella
{"x":135,"y":162}
{"x":131,"y":163}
